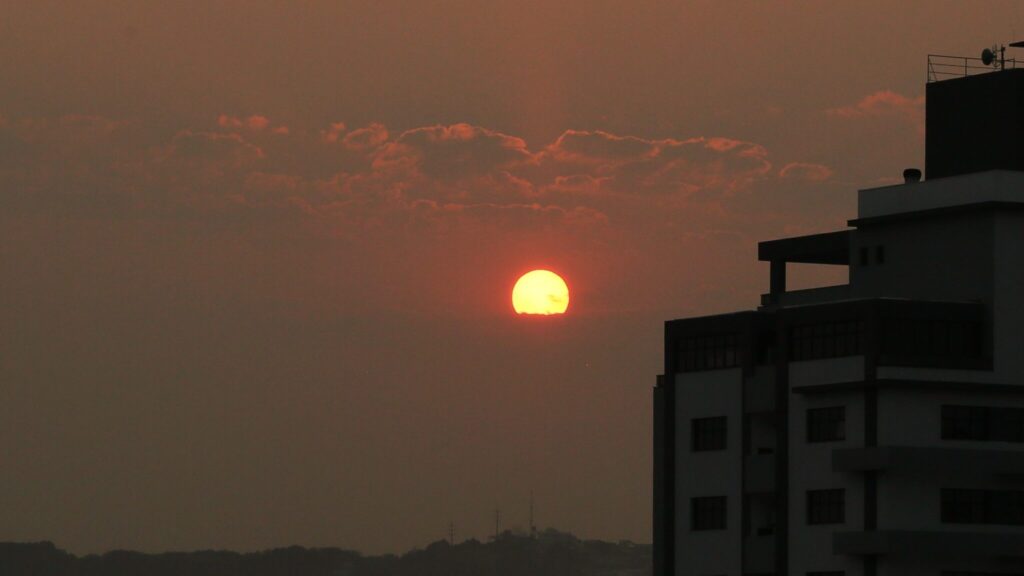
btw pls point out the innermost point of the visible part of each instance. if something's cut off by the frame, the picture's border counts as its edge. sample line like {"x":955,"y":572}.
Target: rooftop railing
{"x":943,"y":67}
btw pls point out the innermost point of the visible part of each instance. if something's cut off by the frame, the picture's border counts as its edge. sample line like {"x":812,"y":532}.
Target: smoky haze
{"x":256,"y":258}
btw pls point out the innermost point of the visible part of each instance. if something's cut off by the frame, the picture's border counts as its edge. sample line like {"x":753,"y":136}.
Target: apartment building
{"x":874,"y":427}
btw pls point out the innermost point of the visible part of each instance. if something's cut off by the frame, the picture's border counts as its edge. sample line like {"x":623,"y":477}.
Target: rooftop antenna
{"x":1013,"y":62}
{"x":989,"y":55}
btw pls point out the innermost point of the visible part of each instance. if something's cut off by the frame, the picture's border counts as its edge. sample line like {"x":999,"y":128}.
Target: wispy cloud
{"x":806,"y":171}
{"x":885,"y":104}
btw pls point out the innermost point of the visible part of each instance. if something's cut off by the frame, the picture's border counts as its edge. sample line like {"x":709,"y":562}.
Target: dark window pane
{"x":708,"y":352}
{"x":709,"y":433}
{"x":963,"y":506}
{"x":826,"y":506}
{"x":826,"y":424}
{"x":966,"y":506}
{"x":825,"y":340}
{"x":973,"y":573}
{"x":708,"y":513}
{"x":982,"y":423}
{"x":965,"y":423}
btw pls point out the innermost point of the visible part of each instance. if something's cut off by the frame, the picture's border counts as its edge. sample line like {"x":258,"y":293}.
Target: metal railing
{"x":943,"y":67}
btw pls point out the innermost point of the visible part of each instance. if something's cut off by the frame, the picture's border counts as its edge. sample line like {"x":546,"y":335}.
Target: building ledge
{"x":923,"y":543}
{"x":929,"y":460}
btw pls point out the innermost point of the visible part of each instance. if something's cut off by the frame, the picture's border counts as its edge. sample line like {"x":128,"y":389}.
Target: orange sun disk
{"x":540,"y":292}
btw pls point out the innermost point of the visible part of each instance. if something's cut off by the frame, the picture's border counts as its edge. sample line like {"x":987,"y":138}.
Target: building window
{"x":709,"y":352}
{"x":880,"y":254}
{"x":826,"y":506}
{"x":709,"y":433}
{"x":973,"y":573}
{"x":1007,"y":424}
{"x":965,"y":506}
{"x":826,"y":424}
{"x":826,"y":340}
{"x":864,"y":256}
{"x":982,"y":423}
{"x":708,"y":513}
{"x":918,"y":339}
{"x":965,"y":423}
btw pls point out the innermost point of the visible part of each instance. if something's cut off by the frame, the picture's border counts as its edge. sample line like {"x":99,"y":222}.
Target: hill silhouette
{"x":550,"y":552}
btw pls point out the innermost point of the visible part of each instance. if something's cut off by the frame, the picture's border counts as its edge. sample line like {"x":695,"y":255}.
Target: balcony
{"x":832,"y":248}
{"x":929,"y":544}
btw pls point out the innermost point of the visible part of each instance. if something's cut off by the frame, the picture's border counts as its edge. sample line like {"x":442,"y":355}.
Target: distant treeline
{"x":548,"y":553}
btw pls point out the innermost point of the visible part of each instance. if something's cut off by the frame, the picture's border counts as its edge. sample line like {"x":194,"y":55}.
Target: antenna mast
{"x":533,"y":528}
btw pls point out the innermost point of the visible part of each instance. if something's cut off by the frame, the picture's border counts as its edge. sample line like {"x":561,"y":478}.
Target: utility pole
{"x":451,"y":532}
{"x":497,"y":523}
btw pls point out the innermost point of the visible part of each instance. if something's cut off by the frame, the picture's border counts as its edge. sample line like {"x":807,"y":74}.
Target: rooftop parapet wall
{"x":1003,"y":186}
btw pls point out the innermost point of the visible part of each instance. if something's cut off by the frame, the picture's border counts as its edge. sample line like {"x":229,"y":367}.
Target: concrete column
{"x":778,"y":277}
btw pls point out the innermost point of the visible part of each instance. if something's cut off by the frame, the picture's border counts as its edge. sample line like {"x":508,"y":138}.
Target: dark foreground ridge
{"x":549,"y":553}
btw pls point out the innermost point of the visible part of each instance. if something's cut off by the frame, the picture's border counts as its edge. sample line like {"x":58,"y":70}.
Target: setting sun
{"x":540,"y":292}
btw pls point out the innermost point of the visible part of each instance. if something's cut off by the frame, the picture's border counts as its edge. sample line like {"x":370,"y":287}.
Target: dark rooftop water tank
{"x":975,"y":123}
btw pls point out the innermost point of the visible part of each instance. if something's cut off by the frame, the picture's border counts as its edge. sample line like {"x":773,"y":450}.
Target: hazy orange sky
{"x":256,"y":257}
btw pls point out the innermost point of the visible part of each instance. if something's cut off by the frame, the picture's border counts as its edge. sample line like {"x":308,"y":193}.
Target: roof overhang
{"x":828,"y":248}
